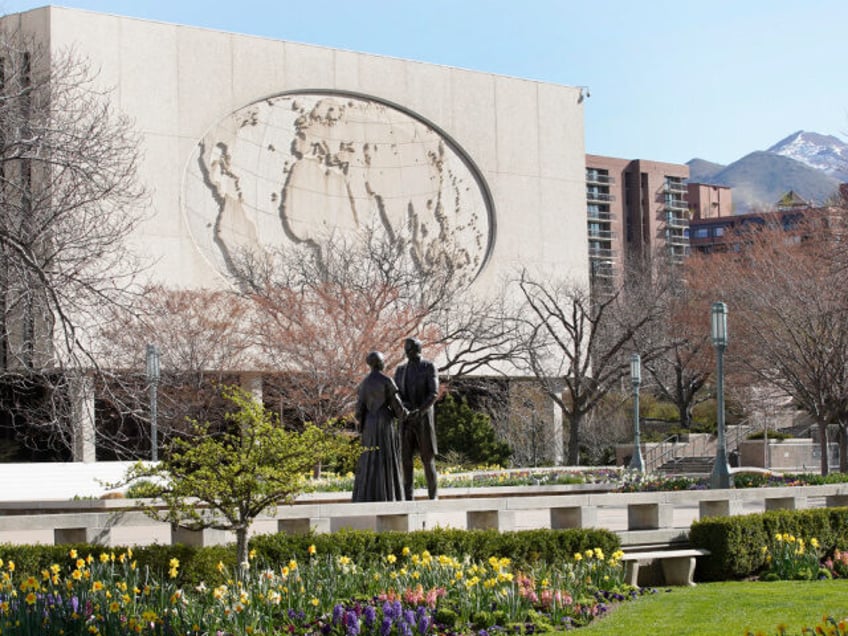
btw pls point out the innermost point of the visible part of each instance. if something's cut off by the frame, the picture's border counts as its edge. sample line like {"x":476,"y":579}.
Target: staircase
{"x":692,"y":465}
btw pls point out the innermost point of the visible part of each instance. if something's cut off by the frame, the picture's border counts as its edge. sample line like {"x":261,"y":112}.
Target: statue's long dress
{"x":378,"y":473}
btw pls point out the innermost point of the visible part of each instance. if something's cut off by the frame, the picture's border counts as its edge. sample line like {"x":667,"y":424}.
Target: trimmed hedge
{"x":736,"y":543}
{"x":524,"y":547}
{"x":196,"y":564}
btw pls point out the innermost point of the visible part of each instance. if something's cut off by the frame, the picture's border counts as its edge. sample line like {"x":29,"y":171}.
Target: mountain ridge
{"x":810,"y":164}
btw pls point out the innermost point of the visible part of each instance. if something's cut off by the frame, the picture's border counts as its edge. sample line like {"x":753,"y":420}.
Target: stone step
{"x":689,"y":465}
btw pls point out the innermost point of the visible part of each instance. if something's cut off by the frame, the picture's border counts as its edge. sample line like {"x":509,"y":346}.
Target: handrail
{"x":664,"y":449}
{"x":672,"y":448}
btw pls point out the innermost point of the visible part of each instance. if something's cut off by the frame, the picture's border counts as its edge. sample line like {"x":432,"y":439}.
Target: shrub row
{"x":736,"y":543}
{"x":524,"y":547}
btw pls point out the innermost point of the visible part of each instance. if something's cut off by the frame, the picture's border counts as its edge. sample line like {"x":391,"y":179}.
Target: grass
{"x":727,"y":609}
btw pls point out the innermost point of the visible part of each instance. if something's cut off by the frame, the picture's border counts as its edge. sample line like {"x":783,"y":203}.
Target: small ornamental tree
{"x":225,"y":479}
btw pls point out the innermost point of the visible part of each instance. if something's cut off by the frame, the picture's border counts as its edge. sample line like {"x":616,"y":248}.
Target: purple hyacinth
{"x":386,"y":626}
{"x":351,"y":623}
{"x":388,"y":610}
{"x":370,"y":616}
{"x":338,"y":610}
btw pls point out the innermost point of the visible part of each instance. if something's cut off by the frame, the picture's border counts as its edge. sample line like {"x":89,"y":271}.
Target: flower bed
{"x":618,"y":479}
{"x":402,"y":594}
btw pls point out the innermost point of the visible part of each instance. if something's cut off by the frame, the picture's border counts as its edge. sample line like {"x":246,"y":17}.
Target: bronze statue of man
{"x":418,"y":384}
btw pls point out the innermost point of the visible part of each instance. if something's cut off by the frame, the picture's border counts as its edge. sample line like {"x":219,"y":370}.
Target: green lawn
{"x":727,"y":609}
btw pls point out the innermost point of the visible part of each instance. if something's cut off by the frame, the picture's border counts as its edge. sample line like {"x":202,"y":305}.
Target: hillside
{"x":760,"y":178}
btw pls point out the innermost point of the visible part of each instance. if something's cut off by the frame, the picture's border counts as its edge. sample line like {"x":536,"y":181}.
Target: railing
{"x":657,"y":455}
{"x":595,"y":177}
{"x":601,"y":234}
{"x":599,"y":196}
{"x":676,"y":204}
{"x":677,"y":238}
{"x":600,"y":252}
{"x":676,"y":221}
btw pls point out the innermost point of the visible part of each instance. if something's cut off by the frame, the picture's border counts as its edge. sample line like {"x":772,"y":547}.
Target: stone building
{"x":249,"y":141}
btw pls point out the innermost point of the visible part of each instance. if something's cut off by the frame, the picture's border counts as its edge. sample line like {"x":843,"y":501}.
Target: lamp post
{"x":720,"y":477}
{"x":636,"y":462}
{"x":153,"y":383}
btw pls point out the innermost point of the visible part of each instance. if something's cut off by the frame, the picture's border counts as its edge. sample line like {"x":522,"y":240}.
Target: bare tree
{"x":684,"y":360}
{"x":68,"y":200}
{"x":789,"y":319}
{"x":318,"y":313}
{"x":578,"y":346}
{"x":201,"y":338}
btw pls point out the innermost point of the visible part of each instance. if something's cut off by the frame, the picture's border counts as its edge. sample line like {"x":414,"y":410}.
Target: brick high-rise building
{"x":634,"y":208}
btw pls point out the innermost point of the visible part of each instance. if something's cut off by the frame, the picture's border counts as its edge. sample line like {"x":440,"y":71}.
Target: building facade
{"x":248,"y":140}
{"x":254,"y":143}
{"x":635,"y":208}
{"x":710,"y":201}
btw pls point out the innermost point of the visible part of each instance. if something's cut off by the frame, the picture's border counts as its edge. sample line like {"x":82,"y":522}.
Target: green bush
{"x":468,"y":433}
{"x":772,"y":435}
{"x":661,"y":411}
{"x":524,"y":547}
{"x":736,"y":543}
{"x":196,"y":564}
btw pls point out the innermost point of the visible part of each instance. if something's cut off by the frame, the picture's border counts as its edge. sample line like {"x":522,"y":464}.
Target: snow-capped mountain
{"x":809,"y":164}
{"x":822,"y":152}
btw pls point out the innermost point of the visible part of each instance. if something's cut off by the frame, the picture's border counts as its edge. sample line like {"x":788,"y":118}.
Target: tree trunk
{"x":686,"y":416}
{"x":574,"y":439}
{"x":823,"y":443}
{"x":241,"y":547}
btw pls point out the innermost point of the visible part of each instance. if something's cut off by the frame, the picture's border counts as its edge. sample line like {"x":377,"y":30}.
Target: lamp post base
{"x":636,"y":462}
{"x":721,"y":477}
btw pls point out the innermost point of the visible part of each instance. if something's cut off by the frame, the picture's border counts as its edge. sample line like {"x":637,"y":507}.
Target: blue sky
{"x":669,"y":81}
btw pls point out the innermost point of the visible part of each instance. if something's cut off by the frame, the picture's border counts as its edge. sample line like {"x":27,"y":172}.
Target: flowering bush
{"x":837,"y":564}
{"x":402,"y":594}
{"x":791,"y":558}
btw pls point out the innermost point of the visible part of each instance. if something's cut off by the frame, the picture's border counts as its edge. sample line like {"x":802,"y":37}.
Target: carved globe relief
{"x":299,"y":168}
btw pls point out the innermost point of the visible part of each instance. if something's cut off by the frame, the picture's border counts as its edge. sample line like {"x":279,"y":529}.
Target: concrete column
{"x":252,"y":383}
{"x":81,"y":396}
{"x":556,"y":429}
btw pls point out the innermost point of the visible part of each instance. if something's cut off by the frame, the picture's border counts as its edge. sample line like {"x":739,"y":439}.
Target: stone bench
{"x":678,"y":566}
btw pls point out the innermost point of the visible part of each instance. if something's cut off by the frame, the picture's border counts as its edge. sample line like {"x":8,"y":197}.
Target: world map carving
{"x":298,"y":169}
